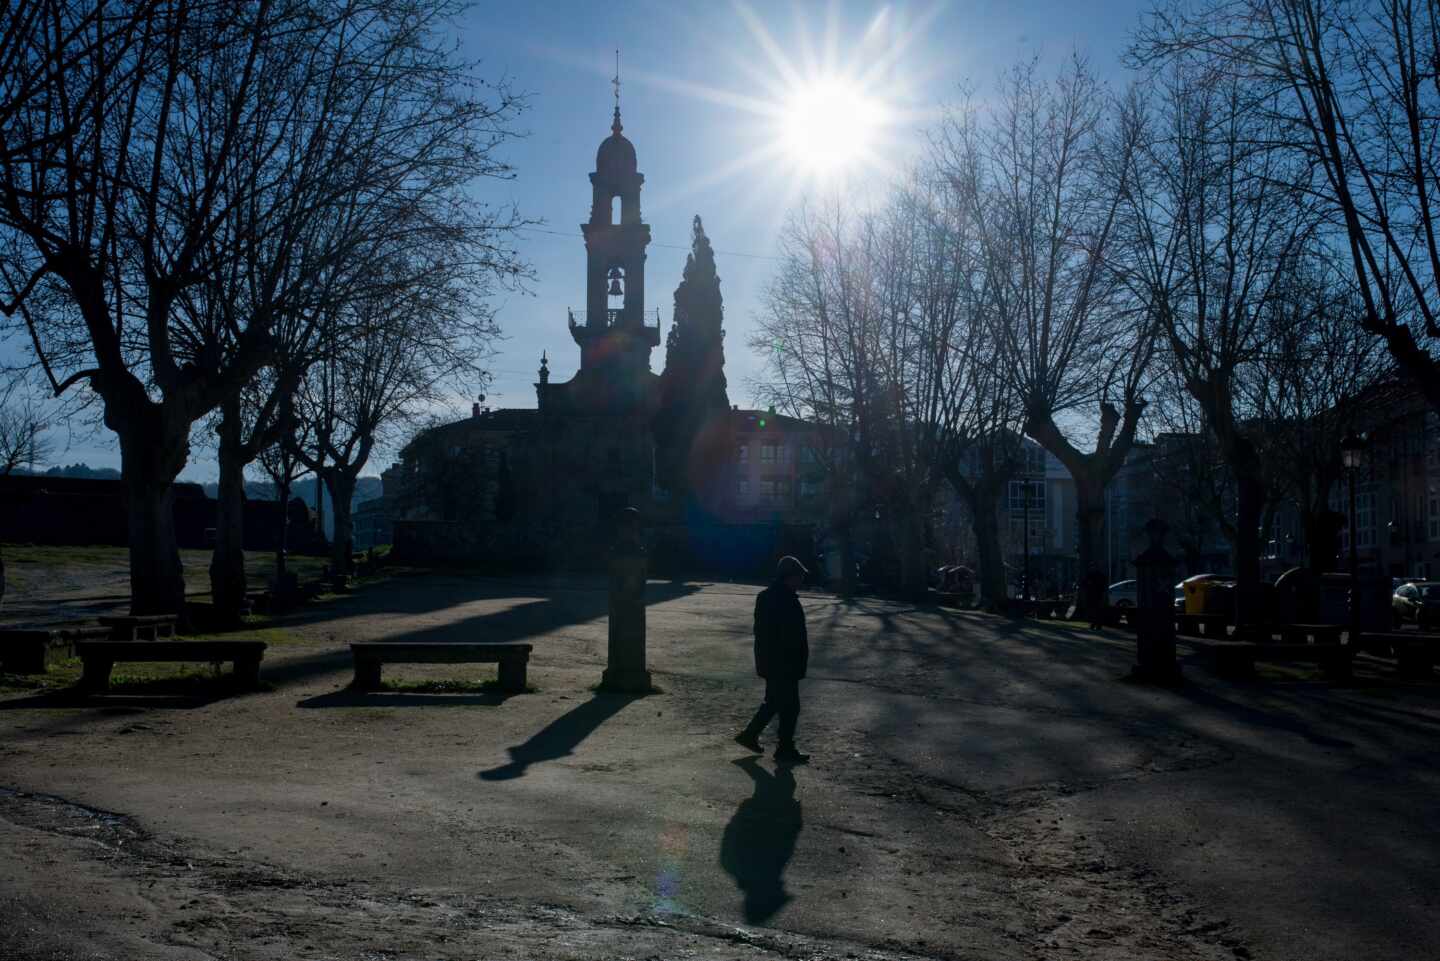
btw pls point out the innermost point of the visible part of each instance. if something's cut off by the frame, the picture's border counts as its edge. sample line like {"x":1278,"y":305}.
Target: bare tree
{"x":23,"y":443}
{"x":1043,"y":172}
{"x":1309,"y":390}
{"x":1215,"y":230}
{"x":391,"y":147}
{"x":814,"y":331}
{"x":1355,"y":87}
{"x":135,"y":141}
{"x":388,"y":358}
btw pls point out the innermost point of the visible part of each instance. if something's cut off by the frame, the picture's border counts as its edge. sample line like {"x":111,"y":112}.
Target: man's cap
{"x":790,"y":565}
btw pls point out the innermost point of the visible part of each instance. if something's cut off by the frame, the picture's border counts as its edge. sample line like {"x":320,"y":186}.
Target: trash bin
{"x":1198,"y":590}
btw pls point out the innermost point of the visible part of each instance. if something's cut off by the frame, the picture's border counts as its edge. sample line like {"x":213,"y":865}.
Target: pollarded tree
{"x":1354,"y":91}
{"x":1043,"y":172}
{"x":382,"y":163}
{"x":1216,"y":228}
{"x":134,"y":138}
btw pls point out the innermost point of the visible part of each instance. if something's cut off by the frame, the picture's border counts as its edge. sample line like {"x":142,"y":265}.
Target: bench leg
{"x":512,"y":674}
{"x":367,"y":674}
{"x":1412,"y":663}
{"x":1338,"y":668}
{"x":247,"y":673}
{"x":95,"y":674}
{"x":1234,"y":664}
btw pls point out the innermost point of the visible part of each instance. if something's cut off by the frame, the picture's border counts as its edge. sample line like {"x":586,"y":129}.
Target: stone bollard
{"x":625,"y":671}
{"x":1155,"y":611}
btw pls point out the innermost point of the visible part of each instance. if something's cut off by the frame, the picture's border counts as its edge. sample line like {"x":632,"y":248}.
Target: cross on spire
{"x":615,"y":82}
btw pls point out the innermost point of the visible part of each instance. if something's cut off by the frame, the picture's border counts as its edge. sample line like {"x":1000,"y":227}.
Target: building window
{"x":808,"y":488}
{"x":807,"y":455}
{"x":1432,"y":510}
{"x":742,"y":488}
{"x":1365,"y":519}
{"x":743,"y":453}
{"x":767,"y":491}
{"x":782,"y":491}
{"x":767,"y":454}
{"x":1037,"y":496}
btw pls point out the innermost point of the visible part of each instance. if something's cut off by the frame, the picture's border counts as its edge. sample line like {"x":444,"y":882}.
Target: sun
{"x":829,"y":124}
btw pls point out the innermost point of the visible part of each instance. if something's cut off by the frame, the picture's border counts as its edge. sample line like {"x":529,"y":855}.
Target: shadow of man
{"x":560,"y":737}
{"x":760,"y":839}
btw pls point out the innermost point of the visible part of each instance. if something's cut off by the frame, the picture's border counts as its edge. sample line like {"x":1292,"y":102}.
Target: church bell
{"x":615,"y":289}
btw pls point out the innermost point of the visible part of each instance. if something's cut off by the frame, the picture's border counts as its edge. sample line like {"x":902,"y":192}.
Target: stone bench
{"x":1414,"y":653}
{"x":1202,"y":625}
{"x":99,"y":657}
{"x":1237,"y":658}
{"x":370,"y":655}
{"x":1043,"y":609}
{"x":139,"y":627}
{"x":31,"y":650}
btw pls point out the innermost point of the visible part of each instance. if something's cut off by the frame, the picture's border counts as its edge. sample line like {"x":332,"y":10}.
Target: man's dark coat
{"x":782,"y":647}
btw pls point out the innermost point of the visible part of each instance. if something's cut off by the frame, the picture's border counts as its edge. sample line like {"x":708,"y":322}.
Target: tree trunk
{"x":848,"y":585}
{"x":913,"y":581}
{"x":1249,"y":506}
{"x":1090,"y":526}
{"x":341,"y":484}
{"x":227,"y":564}
{"x":1322,"y":528}
{"x":988,"y":556}
{"x":157,"y":581}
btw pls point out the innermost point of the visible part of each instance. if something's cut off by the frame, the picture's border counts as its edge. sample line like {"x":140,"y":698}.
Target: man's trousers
{"x":782,"y":697}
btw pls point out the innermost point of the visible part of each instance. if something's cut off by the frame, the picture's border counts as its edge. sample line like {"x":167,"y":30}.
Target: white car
{"x":1123,"y":594}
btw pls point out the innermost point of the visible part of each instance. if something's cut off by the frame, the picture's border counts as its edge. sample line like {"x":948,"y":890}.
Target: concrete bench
{"x":100,"y":657}
{"x":31,"y":650}
{"x":370,"y":655}
{"x":1237,"y":658}
{"x":1202,"y":625}
{"x":140,"y":627}
{"x":1414,"y":653}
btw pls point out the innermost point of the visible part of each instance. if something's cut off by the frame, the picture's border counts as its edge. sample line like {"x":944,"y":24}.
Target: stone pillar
{"x":1155,"y":611}
{"x":626,"y":672}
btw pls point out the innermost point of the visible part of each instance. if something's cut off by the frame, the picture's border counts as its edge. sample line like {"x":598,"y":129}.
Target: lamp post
{"x":1025,"y":536}
{"x":1352,"y":454}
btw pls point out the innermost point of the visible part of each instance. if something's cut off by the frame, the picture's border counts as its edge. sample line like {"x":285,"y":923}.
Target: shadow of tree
{"x":352,"y":698}
{"x":560,"y":737}
{"x":760,"y":839}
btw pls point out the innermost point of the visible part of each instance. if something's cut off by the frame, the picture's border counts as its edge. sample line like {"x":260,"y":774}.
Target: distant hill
{"x":76,"y":470}
{"x":366,"y":488}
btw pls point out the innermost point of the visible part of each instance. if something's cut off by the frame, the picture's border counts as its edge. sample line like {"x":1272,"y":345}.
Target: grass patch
{"x":449,"y":686}
{"x":179,"y":678}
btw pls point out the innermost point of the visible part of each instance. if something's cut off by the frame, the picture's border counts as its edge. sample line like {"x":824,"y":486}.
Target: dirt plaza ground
{"x":980,"y":788}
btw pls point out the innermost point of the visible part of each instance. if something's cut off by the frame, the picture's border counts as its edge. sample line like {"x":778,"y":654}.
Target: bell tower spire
{"x":615,"y":335}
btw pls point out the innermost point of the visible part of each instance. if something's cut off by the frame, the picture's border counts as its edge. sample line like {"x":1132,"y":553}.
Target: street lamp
{"x":1352,"y":455}
{"x":1025,"y":590}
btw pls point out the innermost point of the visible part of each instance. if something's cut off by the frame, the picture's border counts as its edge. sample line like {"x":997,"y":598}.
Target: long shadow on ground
{"x":560,"y":737}
{"x":350,"y":698}
{"x":563,"y":608}
{"x":760,"y":839}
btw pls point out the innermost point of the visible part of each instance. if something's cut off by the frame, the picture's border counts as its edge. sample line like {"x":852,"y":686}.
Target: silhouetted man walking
{"x":782,"y":652}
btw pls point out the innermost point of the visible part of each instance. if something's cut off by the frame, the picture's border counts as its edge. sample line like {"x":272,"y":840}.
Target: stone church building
{"x":540,"y":489}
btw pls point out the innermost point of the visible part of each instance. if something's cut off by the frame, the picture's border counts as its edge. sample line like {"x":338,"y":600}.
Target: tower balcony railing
{"x":579,"y":318}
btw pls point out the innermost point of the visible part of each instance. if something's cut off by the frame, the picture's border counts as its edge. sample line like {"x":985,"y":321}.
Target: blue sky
{"x":700,"y":85}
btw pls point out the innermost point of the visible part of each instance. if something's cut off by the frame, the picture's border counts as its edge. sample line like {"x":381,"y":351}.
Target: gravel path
{"x":980,"y":788}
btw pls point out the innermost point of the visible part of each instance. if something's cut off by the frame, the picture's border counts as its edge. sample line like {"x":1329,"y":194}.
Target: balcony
{"x":580,"y":318}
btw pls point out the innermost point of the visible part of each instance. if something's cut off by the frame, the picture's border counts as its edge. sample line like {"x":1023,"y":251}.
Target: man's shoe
{"x":750,"y":742}
{"x":788,"y":755}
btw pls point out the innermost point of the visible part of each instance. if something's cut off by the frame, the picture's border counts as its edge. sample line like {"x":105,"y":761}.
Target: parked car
{"x":1123,"y":594}
{"x":1419,"y":603}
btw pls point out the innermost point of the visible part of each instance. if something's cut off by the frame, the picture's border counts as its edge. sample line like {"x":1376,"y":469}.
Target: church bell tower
{"x":615,"y":340}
